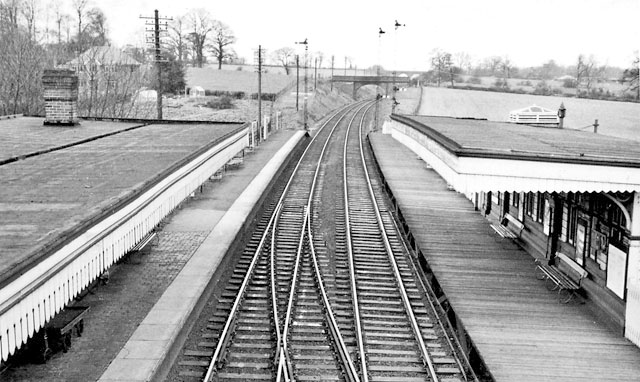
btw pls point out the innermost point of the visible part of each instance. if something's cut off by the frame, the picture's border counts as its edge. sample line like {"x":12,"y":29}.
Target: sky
{"x":529,"y":33}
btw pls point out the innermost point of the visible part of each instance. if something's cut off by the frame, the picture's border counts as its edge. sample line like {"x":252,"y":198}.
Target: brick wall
{"x":60,"y":97}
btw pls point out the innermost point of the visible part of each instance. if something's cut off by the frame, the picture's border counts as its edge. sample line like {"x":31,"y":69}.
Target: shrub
{"x":224,"y":93}
{"x":525,"y":83}
{"x":223,"y":102}
{"x":265,"y":96}
{"x":474,"y":80}
{"x":569,"y":83}
{"x":543,"y":88}
{"x":500,"y":83}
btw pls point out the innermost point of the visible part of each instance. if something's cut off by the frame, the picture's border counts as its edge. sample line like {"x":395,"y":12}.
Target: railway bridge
{"x":360,"y":81}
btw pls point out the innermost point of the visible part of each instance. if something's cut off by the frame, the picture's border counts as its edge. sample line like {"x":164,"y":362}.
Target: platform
{"x":517,"y":326}
{"x":75,"y":199}
{"x":120,"y":311}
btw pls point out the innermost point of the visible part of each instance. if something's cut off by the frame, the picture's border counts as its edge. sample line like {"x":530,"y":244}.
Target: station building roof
{"x":57,"y":181}
{"x":480,"y":155}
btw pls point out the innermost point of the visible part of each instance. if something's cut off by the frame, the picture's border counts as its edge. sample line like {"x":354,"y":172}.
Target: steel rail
{"x":350,"y":370}
{"x":283,"y":352}
{"x":342,"y":350}
{"x":426,"y":286}
{"x":283,"y":366}
{"x":352,"y":273}
{"x":292,"y":292}
{"x":224,"y":335}
{"x":426,"y":358}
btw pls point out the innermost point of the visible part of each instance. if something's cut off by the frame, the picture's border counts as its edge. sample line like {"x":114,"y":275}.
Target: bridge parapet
{"x":360,"y":81}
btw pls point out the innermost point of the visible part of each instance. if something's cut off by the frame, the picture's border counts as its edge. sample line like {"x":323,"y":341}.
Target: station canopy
{"x":480,"y":156}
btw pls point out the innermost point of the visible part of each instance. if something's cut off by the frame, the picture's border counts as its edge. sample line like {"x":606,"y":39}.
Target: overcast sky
{"x":528,"y":32}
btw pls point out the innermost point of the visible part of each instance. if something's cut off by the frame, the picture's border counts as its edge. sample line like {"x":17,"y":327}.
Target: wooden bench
{"x":145,"y":241}
{"x":234,"y":162}
{"x":502,"y":230}
{"x":514,"y":222}
{"x":134,"y":257}
{"x":565,"y":276}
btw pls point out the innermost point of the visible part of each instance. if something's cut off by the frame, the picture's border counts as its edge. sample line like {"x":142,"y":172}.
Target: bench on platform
{"x":134,"y":254}
{"x":564,"y":274}
{"x":234,"y":162}
{"x":145,"y":241}
{"x":502,"y":230}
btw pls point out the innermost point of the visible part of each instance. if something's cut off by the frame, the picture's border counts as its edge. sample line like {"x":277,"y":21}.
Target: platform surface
{"x":520,"y":330}
{"x":66,"y":176}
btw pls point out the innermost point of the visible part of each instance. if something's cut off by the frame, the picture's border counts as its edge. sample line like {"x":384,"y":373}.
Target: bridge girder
{"x":360,"y":81}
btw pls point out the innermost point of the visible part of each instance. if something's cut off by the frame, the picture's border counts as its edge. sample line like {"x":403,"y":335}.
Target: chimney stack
{"x":60,"y":97}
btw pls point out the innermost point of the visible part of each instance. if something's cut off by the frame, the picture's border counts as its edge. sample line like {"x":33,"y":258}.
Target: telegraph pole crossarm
{"x":157,"y":29}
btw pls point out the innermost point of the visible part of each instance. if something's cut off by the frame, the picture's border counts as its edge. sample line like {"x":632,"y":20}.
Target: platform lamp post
{"x":306,"y":51}
{"x":562,"y":112}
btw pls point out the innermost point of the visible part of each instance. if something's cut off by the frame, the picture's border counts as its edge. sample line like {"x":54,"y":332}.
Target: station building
{"x":559,"y":191}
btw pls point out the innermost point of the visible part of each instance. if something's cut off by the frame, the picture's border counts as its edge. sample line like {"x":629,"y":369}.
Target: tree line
{"x":446,"y":67}
{"x":39,"y":34}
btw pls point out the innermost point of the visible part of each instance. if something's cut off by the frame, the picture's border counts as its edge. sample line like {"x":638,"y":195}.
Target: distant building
{"x":566,"y":77}
{"x":102,"y":58}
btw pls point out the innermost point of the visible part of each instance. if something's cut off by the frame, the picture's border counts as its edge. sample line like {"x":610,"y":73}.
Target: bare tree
{"x":441,"y":65}
{"x":29,"y":10}
{"x":110,"y":82}
{"x":96,"y":28}
{"x":319,"y":56}
{"x":632,"y":76}
{"x":79,"y":7}
{"x":9,"y":12}
{"x":21,"y":65}
{"x":285,"y":57}
{"x":222,"y":38}
{"x":201,"y":25}
{"x":587,"y":71}
{"x":493,"y":64}
{"x":177,"y":38}
{"x":463,"y":61}
{"x":505,"y":67}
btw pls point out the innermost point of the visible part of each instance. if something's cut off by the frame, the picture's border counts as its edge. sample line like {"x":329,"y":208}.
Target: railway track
{"x":326,"y":289}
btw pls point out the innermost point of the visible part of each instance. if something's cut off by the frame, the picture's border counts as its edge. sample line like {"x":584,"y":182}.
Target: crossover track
{"x":326,"y":288}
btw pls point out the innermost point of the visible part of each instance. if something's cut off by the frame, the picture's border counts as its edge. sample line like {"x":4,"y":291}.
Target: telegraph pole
{"x":332,"y":62}
{"x":297,"y":80}
{"x":378,"y":95}
{"x":315,"y":73}
{"x":158,"y":53}
{"x":260,"y":88}
{"x":306,"y":51}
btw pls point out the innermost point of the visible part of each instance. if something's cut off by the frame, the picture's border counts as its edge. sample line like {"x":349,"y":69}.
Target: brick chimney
{"x":60,"y":97}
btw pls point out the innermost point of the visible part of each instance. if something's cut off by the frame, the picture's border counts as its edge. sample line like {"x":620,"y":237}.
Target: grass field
{"x":621,"y":119}
{"x":233,"y":81}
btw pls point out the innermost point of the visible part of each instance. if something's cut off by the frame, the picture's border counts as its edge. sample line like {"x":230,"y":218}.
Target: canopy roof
{"x":480,"y":155}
